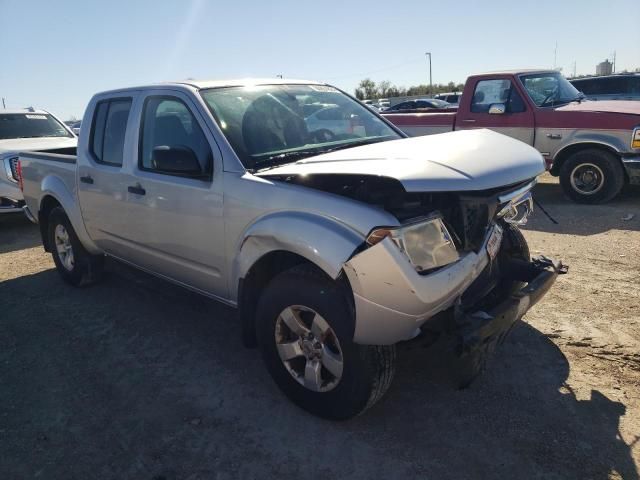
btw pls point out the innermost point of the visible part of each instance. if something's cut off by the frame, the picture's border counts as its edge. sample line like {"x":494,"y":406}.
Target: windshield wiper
{"x":281,"y":158}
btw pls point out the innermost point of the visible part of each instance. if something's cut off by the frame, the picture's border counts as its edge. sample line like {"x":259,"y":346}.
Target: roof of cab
{"x":202,"y":84}
{"x":517,"y":71}
{"x":244,"y":82}
{"x":23,"y":111}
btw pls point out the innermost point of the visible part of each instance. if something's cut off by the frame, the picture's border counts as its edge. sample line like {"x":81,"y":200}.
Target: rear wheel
{"x":305,"y":331}
{"x":592,"y":176}
{"x":74,"y":264}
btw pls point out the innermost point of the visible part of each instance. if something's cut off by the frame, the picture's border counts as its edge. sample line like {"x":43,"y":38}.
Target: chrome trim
{"x":517,"y":212}
{"x":29,"y":215}
{"x":497,"y":109}
{"x":516,"y":194}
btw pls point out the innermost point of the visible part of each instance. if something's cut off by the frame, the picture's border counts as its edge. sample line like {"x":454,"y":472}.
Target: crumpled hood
{"x":608,"y":106}
{"x":27,"y":144}
{"x":456,"y":161}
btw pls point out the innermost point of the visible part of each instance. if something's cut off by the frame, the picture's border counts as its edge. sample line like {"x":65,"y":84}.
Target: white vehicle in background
{"x":26,"y":129}
{"x":450,"y":97}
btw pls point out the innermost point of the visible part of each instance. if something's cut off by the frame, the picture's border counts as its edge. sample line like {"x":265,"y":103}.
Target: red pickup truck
{"x":593,"y":146}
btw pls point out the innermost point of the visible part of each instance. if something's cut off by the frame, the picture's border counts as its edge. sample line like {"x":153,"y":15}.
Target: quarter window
{"x":108,"y":131}
{"x":167,"y":122}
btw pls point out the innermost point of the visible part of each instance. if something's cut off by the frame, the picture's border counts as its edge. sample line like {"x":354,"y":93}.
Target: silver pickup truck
{"x":334,"y":235}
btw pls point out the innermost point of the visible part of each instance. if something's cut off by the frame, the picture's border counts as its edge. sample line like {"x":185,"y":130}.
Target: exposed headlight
{"x":635,"y":138}
{"x":426,"y":242}
{"x":517,"y":212}
{"x":11,"y":168}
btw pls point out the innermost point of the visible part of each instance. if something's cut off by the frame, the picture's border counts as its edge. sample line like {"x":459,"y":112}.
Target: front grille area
{"x":470,"y":222}
{"x":466,"y":215}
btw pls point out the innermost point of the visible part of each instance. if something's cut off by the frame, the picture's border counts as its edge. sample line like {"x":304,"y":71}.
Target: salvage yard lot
{"x":136,"y":378}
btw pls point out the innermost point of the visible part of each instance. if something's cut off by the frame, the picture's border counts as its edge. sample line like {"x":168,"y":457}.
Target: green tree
{"x":368,"y":88}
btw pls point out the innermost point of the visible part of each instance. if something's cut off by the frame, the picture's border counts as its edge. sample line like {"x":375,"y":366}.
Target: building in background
{"x":604,"y":68}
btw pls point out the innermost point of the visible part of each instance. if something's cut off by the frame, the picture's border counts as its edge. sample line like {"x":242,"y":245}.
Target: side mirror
{"x":176,"y":159}
{"x":497,"y":109}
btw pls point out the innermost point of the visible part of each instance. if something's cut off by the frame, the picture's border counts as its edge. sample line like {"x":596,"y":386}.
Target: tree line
{"x":368,"y":89}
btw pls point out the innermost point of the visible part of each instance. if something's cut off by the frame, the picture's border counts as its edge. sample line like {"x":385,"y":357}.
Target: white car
{"x":32,"y":130}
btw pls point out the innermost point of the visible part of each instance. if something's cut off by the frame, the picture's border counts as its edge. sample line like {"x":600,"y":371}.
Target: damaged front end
{"x":465,"y":260}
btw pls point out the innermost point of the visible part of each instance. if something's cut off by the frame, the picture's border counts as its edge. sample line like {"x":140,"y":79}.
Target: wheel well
{"x":257,"y":278}
{"x":571,"y":149}
{"x":48,"y":203}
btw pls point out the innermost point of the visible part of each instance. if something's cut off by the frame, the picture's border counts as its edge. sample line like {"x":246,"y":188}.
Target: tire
{"x":592,"y":176}
{"x":306,"y":297}
{"x":79,"y":269}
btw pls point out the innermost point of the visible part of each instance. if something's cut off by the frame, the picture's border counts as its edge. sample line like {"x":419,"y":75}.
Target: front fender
{"x":54,"y":186}
{"x":615,"y":140}
{"x":324,"y":241}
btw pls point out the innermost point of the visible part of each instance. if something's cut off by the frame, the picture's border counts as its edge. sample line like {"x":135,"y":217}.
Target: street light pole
{"x":430,"y":78}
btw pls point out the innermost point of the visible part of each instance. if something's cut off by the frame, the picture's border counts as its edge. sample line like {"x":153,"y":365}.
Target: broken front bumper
{"x":393,"y":301}
{"x":483,"y":330}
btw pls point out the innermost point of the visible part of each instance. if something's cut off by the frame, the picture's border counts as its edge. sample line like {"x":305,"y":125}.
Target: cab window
{"x":108,"y":131}
{"x":169,"y":127}
{"x":488,"y":92}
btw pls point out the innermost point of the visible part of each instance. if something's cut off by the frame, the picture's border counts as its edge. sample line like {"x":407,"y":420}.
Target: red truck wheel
{"x":591,"y":176}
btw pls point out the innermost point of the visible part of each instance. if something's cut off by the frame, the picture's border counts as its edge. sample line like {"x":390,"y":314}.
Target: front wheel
{"x":305,"y":331}
{"x":73,"y":262}
{"x":592,"y":176}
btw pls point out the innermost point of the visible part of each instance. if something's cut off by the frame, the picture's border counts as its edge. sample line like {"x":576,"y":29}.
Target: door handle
{"x":470,"y":120}
{"x":554,"y":136}
{"x":87,"y":179}
{"x":137,"y":189}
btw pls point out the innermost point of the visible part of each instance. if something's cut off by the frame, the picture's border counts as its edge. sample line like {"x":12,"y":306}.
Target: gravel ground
{"x":137,"y":378}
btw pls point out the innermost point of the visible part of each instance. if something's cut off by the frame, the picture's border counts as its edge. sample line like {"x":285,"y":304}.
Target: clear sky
{"x":55,"y":54}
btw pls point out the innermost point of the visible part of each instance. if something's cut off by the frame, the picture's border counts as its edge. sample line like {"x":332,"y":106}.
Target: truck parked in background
{"x":593,"y":146}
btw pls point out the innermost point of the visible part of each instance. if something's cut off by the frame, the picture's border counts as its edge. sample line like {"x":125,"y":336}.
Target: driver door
{"x":517,"y":119}
{"x":178,"y":217}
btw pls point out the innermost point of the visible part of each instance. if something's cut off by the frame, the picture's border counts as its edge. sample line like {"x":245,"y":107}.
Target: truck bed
{"x":427,"y":123}
{"x":44,"y":168}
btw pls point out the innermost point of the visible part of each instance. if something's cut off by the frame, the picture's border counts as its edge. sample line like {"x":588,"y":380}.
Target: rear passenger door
{"x":175,"y":196}
{"x":101,"y":177}
{"x":510,"y":114}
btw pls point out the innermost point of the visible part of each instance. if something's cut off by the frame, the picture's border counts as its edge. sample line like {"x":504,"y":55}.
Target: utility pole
{"x":574,"y":69}
{"x":3,"y":104}
{"x":555,"y":55}
{"x":430,"y":78}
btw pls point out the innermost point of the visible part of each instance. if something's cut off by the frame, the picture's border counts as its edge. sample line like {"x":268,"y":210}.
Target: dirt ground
{"x":136,"y":378}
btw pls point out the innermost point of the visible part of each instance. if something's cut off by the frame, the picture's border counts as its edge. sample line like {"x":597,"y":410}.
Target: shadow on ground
{"x":17,"y":233}
{"x":622,"y":213}
{"x":136,"y":378}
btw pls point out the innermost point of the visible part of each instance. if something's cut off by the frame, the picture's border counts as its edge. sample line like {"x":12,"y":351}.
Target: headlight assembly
{"x":426,"y":242}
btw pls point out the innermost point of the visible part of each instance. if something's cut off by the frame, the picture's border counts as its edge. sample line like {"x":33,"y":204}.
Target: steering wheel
{"x":323,"y":135}
{"x":546,"y":99}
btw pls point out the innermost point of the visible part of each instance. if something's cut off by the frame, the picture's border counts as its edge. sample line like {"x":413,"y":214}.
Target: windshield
{"x":30,"y":125}
{"x":276,"y":124}
{"x":548,"y":89}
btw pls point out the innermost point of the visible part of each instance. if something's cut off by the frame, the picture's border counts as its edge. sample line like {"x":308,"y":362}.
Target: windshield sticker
{"x":37,"y":117}
{"x":323,"y":88}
